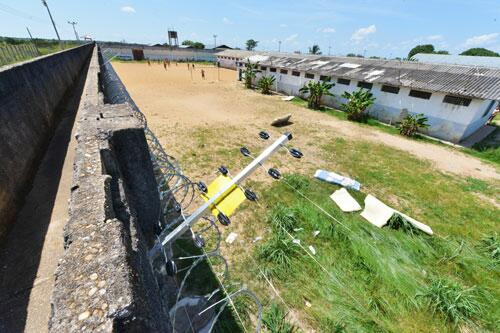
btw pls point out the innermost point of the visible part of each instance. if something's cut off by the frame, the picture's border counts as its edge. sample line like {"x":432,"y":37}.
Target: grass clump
{"x":283,"y":218}
{"x":490,"y":245}
{"x":276,"y":254}
{"x":456,"y":303}
{"x":274,"y":319}
{"x":297,"y":181}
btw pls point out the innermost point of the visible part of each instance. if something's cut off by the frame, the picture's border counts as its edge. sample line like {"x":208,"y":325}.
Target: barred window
{"x":463,"y":101}
{"x":343,"y":81}
{"x":365,"y":85}
{"x":420,"y":94}
{"x":309,"y":76}
{"x":325,"y":78}
{"x":295,"y":73}
{"x":283,"y":71}
{"x":263,"y":68}
{"x":390,"y":89}
{"x":272,"y":69}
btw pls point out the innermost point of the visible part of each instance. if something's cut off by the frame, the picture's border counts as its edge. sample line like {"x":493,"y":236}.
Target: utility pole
{"x":32,"y":40}
{"x":74,"y":29}
{"x":279,"y":46}
{"x":215,"y":41}
{"x":329,"y":50}
{"x":44,"y":2}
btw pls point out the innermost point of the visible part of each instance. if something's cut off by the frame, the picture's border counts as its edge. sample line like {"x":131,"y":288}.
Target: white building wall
{"x":161,"y":54}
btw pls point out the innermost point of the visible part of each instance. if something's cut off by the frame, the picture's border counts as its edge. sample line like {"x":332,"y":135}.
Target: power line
{"x":12,"y":11}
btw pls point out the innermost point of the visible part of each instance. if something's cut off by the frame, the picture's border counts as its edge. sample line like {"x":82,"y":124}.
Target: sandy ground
{"x":178,"y":102}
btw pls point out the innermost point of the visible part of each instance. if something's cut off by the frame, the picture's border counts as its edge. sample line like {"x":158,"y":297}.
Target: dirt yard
{"x":180,"y":107}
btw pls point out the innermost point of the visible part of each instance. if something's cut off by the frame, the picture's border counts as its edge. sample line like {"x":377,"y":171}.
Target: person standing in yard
{"x":188,"y":65}
{"x":165,"y":65}
{"x":203,"y":74}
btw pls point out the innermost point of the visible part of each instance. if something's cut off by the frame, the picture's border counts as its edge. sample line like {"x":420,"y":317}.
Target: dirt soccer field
{"x":203,"y":123}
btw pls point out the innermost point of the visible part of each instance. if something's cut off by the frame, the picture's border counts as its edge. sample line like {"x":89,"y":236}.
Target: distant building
{"x":223,"y":47}
{"x":491,"y":62}
{"x":457,"y":100}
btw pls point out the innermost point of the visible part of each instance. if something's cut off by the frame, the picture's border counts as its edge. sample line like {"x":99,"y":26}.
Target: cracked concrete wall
{"x":30,"y":93}
{"x":105,"y":282}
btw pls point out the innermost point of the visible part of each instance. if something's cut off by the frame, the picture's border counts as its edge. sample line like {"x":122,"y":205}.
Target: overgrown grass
{"x":370,"y":279}
{"x":274,"y":320}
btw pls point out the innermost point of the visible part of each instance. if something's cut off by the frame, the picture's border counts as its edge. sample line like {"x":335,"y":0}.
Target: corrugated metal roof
{"x":491,"y":62}
{"x":468,"y":81}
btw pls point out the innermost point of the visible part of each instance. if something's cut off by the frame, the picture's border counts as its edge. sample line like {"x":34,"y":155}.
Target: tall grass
{"x":274,"y":320}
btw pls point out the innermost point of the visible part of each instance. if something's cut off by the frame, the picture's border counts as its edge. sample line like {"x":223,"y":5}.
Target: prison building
{"x":457,"y":100}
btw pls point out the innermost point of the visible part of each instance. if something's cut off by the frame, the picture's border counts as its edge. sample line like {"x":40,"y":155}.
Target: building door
{"x":138,"y":54}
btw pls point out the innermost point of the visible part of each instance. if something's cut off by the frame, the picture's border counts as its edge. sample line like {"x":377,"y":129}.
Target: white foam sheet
{"x":335,"y":178}
{"x":345,"y":201}
{"x":287,"y":98}
{"x":376,"y":212}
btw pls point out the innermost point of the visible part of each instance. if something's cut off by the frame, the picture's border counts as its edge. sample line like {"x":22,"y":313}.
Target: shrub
{"x":358,"y":102}
{"x":411,"y":124}
{"x":456,"y":303}
{"x":265,"y":84}
{"x":275,"y":322}
{"x":316,"y":91}
{"x":250,"y":73}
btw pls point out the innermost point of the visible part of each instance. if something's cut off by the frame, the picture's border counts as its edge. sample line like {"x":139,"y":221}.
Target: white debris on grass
{"x":315,"y":233}
{"x":312,"y":249}
{"x":296,"y":241}
{"x":298,"y":229}
{"x":287,"y":98}
{"x":231,"y":238}
{"x":256,"y":239}
{"x":345,"y":201}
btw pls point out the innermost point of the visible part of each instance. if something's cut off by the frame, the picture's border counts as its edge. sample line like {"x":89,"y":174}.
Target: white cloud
{"x":225,"y":20}
{"x":362,"y":33}
{"x":326,"y":30}
{"x":283,"y":25}
{"x":481,"y":40}
{"x":435,"y":37}
{"x":128,"y":9}
{"x":291,"y":38}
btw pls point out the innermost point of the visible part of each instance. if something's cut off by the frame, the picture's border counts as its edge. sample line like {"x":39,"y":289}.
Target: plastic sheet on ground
{"x":345,"y":201}
{"x":334,"y":178}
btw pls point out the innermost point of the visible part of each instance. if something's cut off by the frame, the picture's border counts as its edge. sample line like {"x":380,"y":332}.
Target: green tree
{"x":316,"y":91}
{"x":426,"y":48}
{"x":187,"y":42}
{"x":479,"y":51}
{"x":411,"y":124}
{"x":195,"y":45}
{"x":358,"y":102}
{"x":265,"y":84}
{"x":250,"y":73}
{"x":314,"y":49}
{"x":251,"y":44}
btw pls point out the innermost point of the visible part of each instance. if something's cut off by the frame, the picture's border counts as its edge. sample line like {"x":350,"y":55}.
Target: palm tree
{"x":314,"y":49}
{"x":250,"y":73}
{"x":265,"y":84}
{"x":358,"y":102}
{"x":316,"y":91}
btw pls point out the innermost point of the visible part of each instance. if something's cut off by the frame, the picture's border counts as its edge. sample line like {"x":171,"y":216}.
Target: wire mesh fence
{"x":10,"y":54}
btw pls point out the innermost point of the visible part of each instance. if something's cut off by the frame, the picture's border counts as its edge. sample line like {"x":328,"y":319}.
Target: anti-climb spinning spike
{"x":177,"y":207}
{"x":202,"y":187}
{"x":263,"y":135}
{"x":171,"y":267}
{"x":198,"y":240}
{"x":250,"y":195}
{"x":274,"y":173}
{"x":223,"y":170}
{"x":223,"y":219}
{"x":295,"y":153}
{"x":245,"y":151}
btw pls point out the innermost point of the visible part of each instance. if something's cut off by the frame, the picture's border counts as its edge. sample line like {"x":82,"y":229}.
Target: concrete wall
{"x":161,"y":53}
{"x":30,"y":93}
{"x":105,"y":281}
{"x":447,"y":121}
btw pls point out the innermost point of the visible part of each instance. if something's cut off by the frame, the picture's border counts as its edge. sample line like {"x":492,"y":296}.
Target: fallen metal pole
{"x":206,"y":207}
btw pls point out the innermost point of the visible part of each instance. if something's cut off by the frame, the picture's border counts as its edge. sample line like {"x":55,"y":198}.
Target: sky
{"x":387,"y":28}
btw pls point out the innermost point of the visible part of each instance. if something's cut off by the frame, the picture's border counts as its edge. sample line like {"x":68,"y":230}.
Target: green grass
{"x":485,"y":152}
{"x":380,"y":280}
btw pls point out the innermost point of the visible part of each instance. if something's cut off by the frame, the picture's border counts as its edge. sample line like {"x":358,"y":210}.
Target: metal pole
{"x":33,"y":41}
{"x":74,"y":29}
{"x":215,"y":42}
{"x":44,"y":2}
{"x":279,"y":46}
{"x":206,"y":207}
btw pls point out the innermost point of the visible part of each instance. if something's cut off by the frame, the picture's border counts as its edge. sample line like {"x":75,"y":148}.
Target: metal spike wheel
{"x":223,"y":170}
{"x":250,"y":195}
{"x":202,"y":187}
{"x":171,"y":267}
{"x":295,"y":153}
{"x":263,"y":135}
{"x":274,"y":173}
{"x":245,"y":151}
{"x":198,"y":240}
{"x":223,"y":219}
